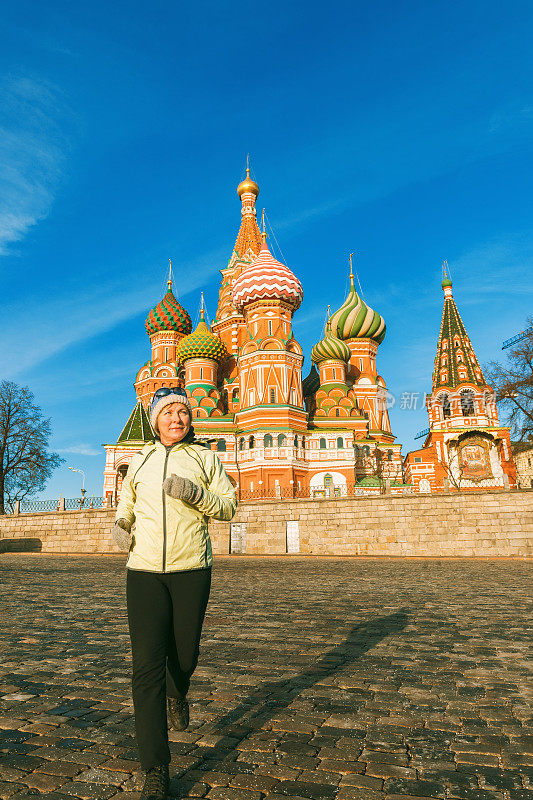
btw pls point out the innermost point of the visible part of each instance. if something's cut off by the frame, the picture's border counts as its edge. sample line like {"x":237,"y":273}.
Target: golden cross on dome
{"x":445,"y":267}
{"x":169,"y":282}
{"x":351,"y":268}
{"x":263,"y":232}
{"x":202,"y":306}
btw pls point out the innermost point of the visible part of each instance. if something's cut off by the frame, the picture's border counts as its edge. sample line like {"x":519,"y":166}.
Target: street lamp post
{"x":73,"y":469}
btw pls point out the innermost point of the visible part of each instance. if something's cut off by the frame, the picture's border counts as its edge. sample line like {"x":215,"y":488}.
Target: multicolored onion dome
{"x":266,"y":279}
{"x":311,"y":383}
{"x":168,"y":315}
{"x":201,"y":344}
{"x":355,"y":320}
{"x":247,"y":185}
{"x":330,"y":347}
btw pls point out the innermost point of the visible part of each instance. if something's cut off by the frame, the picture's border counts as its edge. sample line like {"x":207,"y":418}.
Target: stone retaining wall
{"x":485,"y":524}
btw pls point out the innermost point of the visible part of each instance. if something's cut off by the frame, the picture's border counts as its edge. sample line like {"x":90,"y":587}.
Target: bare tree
{"x":513,"y":385}
{"x":25,"y":463}
{"x":454,"y":468}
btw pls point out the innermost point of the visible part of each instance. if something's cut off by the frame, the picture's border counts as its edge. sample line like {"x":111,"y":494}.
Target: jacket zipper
{"x":165,"y":514}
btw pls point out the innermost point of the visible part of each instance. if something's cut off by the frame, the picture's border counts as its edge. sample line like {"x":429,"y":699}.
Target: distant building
{"x":466,"y":447}
{"x":276,"y":434}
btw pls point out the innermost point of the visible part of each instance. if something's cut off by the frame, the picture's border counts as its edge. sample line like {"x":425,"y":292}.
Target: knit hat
{"x":165,"y":397}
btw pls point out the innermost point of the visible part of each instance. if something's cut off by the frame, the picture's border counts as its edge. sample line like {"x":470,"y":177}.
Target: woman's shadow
{"x":268,"y":699}
{"x":262,"y":705}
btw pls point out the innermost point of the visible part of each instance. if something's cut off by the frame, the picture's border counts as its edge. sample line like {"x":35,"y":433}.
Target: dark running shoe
{"x":156,"y":783}
{"x":178,"y":713}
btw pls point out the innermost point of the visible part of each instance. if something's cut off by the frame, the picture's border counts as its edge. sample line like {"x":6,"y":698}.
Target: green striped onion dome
{"x":355,"y":320}
{"x":168,"y":315}
{"x":201,"y":344}
{"x":330,"y":347}
{"x":311,"y":383}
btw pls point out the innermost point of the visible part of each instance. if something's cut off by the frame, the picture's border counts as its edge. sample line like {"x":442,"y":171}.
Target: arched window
{"x":328,"y":480}
{"x":337,"y":412}
{"x":268,"y":440}
{"x":241,"y":444}
{"x":340,"y":442}
{"x":303,"y":442}
{"x":467,"y":403}
{"x":296,"y":441}
{"x":445,"y":403}
{"x":322,"y":444}
{"x":251,"y":443}
{"x":281,"y":440}
{"x":389,"y":455}
{"x":221,"y":445}
{"x":366,"y":451}
{"x":235,"y":396}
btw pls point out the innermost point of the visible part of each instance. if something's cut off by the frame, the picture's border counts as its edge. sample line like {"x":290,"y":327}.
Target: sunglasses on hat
{"x":164,"y":391}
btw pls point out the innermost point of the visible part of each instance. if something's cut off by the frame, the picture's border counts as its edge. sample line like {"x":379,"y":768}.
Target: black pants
{"x":165,"y":616}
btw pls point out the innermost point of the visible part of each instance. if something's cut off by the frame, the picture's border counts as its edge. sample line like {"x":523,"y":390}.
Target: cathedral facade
{"x":277,"y":434}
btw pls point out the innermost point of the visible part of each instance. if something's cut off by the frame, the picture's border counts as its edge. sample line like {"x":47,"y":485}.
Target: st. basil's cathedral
{"x":279,"y":435}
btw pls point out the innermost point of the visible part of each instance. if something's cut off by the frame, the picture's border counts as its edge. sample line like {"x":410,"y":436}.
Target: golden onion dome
{"x":201,"y":343}
{"x":247,"y":185}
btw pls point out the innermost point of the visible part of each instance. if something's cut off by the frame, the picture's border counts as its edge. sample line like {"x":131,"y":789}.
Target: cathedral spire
{"x":456,"y":362}
{"x":249,"y":236}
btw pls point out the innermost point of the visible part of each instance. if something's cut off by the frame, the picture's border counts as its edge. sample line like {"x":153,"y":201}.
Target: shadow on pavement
{"x":265,"y":702}
{"x":271,"y":697}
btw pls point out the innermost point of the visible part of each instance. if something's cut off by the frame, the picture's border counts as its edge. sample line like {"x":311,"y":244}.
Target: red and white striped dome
{"x":266,"y":279}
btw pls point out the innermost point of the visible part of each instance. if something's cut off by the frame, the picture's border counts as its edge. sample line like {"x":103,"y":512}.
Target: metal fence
{"x":320,"y":492}
{"x":76,"y":503}
{"x":28,"y":506}
{"x":62,"y":504}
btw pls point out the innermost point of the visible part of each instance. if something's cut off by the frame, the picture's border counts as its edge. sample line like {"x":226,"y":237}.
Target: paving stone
{"x":43,"y":782}
{"x":360,"y":793}
{"x":314,"y":791}
{"x":399,"y":786}
{"x":88,"y":791}
{"x":9,"y":789}
{"x":231,"y":793}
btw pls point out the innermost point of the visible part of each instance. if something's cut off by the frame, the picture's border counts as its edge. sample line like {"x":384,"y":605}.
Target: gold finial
{"x":202,"y":306}
{"x":263,"y":232}
{"x":248,"y":185}
{"x":445,"y":267}
{"x":169,"y":282}
{"x":351,"y":267}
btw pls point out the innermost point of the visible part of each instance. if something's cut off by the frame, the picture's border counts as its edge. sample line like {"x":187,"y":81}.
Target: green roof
{"x":138,"y":427}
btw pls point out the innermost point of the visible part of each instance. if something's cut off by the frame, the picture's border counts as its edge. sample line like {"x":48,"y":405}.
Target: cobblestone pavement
{"x":318,"y":679}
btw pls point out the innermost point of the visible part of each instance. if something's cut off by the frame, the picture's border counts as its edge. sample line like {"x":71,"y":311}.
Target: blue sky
{"x":400,"y":131}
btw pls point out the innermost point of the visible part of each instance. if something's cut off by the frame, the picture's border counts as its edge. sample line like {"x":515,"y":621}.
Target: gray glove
{"x":183,"y":489}
{"x":122,"y":535}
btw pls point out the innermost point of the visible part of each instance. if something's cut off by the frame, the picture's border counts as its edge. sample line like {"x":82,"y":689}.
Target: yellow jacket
{"x":171,"y":535}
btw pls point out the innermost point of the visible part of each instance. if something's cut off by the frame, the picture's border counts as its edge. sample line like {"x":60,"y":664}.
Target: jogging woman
{"x":171,"y":488}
